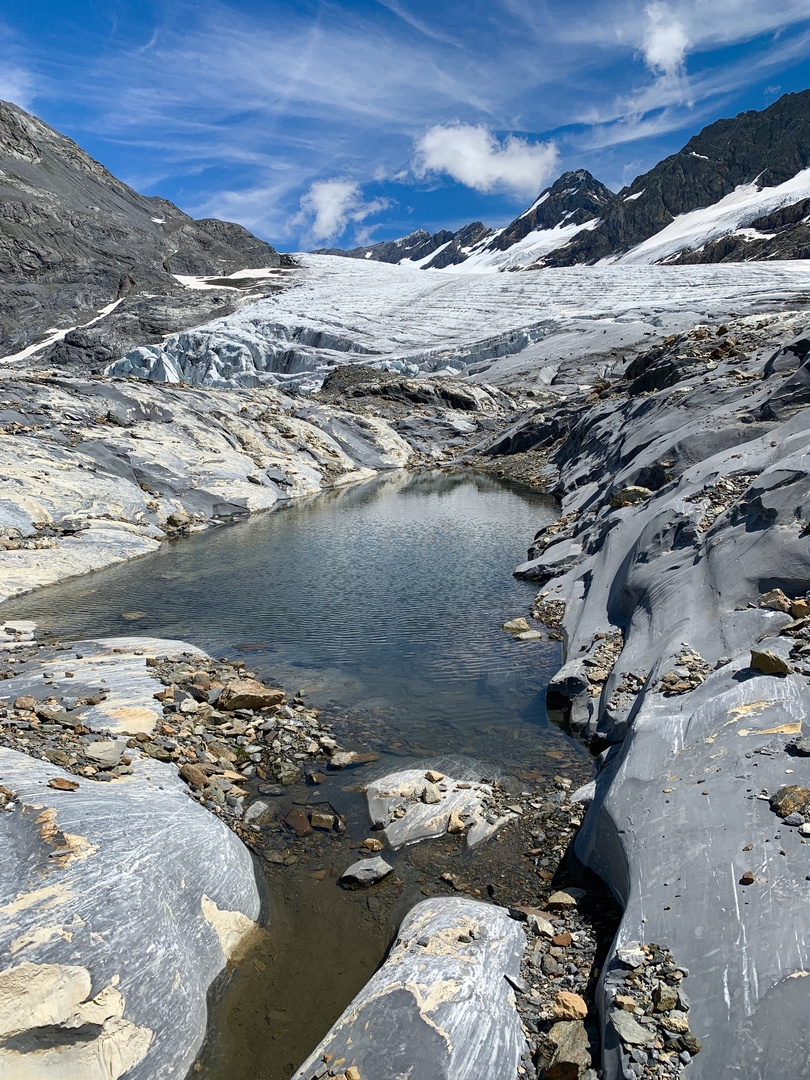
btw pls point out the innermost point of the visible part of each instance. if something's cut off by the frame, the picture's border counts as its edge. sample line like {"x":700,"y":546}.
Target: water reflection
{"x":383,"y":600}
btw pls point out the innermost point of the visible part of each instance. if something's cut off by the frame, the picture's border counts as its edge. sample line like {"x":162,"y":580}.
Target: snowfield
{"x":514,"y":327}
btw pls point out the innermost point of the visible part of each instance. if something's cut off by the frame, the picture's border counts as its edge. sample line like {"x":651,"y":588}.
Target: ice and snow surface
{"x":338,"y":311}
{"x":535,"y":245}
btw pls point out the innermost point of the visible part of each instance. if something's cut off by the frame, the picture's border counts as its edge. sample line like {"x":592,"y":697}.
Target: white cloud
{"x":331,"y":205}
{"x":16,"y":85}
{"x":665,"y":40}
{"x":473,"y":156}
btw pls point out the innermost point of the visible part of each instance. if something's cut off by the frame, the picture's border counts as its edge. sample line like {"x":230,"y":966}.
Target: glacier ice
{"x":398,"y":318}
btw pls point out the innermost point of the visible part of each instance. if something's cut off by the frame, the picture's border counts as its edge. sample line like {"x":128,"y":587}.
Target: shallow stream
{"x":382,"y":604}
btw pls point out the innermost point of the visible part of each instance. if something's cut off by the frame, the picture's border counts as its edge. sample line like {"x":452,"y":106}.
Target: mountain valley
{"x":535,"y":912}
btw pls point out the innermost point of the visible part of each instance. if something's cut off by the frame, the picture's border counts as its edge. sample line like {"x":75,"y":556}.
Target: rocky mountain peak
{"x":574,"y":198}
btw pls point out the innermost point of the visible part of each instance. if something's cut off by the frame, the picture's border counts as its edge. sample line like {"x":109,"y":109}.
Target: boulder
{"x":791,"y":799}
{"x":120,"y":897}
{"x":439,"y":1008}
{"x":194,"y":776}
{"x":567,"y":1053}
{"x":367,"y":871}
{"x":775,"y":600}
{"x":769,"y":662}
{"x":104,"y":754}
{"x":259,"y":812}
{"x":248,"y":694}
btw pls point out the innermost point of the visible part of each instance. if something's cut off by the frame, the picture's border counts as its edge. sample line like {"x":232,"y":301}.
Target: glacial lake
{"x":382,"y":603}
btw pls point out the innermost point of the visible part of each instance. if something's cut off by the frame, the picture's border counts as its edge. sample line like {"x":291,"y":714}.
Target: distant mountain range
{"x":739,"y":190}
{"x":73,"y":237}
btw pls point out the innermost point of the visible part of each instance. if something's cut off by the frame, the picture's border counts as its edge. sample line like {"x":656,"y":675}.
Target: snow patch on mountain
{"x":522,"y":254}
{"x":733,"y":214}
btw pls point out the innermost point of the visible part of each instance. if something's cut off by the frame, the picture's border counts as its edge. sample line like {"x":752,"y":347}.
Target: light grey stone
{"x":367,"y":871}
{"x":440,"y":1010}
{"x":629,"y":1030}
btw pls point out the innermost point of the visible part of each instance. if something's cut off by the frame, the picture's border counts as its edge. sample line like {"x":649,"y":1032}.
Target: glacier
{"x":497,"y":327}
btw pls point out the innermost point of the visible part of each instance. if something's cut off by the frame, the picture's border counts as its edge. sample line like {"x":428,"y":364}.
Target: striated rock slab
{"x":439,"y":1007}
{"x":690,"y":691}
{"x":113,"y":670}
{"x":94,"y":472}
{"x":120,"y":902}
{"x":110,"y":917}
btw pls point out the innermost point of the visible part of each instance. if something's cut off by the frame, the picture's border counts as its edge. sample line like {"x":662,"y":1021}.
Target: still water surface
{"x":383,"y":600}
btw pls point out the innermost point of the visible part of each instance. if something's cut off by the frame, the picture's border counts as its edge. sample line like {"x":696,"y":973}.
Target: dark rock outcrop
{"x":768,"y":147}
{"x":73,"y":238}
{"x":668,"y":608}
{"x":575,"y":198}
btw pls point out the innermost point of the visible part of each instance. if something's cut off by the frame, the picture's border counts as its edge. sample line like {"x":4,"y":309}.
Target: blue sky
{"x":316,"y":123}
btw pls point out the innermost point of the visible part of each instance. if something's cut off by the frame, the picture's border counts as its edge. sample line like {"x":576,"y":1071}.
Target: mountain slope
{"x":765,"y":148}
{"x":738,"y":190}
{"x":74,"y":238}
{"x":430,"y":250}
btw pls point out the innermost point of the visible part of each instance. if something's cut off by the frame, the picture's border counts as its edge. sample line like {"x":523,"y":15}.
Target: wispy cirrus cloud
{"x":305,"y":117}
{"x":17,"y":79}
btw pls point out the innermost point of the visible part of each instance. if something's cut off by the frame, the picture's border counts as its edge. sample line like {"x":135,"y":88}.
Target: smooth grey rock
{"x":367,"y":871}
{"x":107,"y":477}
{"x":676,"y":800}
{"x":105,"y":754}
{"x":106,"y":895}
{"x":438,"y":1011}
{"x":105,"y":900}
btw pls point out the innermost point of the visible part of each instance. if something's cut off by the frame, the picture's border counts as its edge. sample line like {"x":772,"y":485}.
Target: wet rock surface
{"x":96,"y":472}
{"x":442,"y":1004}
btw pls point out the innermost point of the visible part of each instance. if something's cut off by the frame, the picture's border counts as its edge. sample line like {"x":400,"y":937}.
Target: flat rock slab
{"x":403,"y":791}
{"x":120,"y":904}
{"x":438,"y":1008}
{"x":367,"y":871}
{"x":115,"y":666}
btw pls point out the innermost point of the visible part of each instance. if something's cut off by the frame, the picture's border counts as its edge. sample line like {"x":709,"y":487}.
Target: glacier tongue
{"x":411,"y":321}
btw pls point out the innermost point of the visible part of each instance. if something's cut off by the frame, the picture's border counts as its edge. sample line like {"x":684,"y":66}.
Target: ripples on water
{"x":384,"y":599}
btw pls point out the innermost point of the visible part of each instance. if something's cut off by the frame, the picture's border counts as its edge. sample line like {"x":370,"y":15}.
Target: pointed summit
{"x":575,"y":198}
